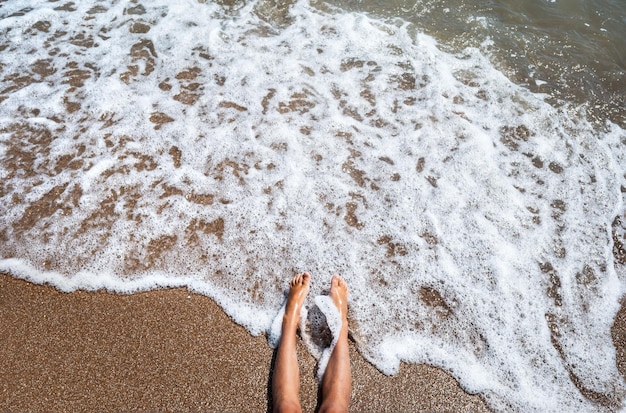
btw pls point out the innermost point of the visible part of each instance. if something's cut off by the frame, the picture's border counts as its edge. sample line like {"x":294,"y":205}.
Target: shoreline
{"x":170,"y":350}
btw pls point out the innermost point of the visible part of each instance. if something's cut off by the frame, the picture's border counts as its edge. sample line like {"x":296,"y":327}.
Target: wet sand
{"x":171,"y":350}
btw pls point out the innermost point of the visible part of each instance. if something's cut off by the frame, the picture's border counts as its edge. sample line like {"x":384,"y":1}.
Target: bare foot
{"x":298,"y":290}
{"x":339,"y":295}
{"x":337,"y":380}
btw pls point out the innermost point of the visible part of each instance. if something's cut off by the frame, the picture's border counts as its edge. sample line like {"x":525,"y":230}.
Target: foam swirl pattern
{"x":153,"y":144}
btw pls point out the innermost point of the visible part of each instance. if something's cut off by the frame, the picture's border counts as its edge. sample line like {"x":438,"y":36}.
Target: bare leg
{"x":337,"y":380}
{"x":286,"y":378}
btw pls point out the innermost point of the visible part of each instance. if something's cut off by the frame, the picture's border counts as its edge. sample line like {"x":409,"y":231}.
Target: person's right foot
{"x":339,"y":295}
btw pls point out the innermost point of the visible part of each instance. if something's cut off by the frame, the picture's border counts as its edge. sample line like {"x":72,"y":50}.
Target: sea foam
{"x":226,"y":149}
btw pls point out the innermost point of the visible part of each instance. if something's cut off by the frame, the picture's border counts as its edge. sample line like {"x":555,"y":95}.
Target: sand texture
{"x":169,"y":350}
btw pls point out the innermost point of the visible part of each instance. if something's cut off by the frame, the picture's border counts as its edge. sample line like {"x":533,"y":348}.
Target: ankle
{"x":290,"y":322}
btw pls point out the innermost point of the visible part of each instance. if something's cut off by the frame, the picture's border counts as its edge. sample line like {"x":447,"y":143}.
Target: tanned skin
{"x":336,"y":384}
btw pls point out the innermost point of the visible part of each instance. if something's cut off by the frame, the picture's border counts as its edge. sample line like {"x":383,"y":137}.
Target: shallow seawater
{"x":474,"y":203}
{"x":570,"y":49}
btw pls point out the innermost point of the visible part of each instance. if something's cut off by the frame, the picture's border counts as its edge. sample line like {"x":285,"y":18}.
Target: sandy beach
{"x":171,"y":350}
{"x":448,"y":158}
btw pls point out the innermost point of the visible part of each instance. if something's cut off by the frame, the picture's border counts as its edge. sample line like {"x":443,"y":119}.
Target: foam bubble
{"x":333,"y":320}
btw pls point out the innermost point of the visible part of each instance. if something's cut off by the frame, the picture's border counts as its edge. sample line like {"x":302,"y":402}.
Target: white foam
{"x":335,"y":143}
{"x":334,"y":323}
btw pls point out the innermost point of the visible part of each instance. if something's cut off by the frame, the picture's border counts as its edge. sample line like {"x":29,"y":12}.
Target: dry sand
{"x":172,"y":350}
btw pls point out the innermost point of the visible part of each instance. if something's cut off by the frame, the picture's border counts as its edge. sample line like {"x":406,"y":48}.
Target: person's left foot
{"x":298,"y":290}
